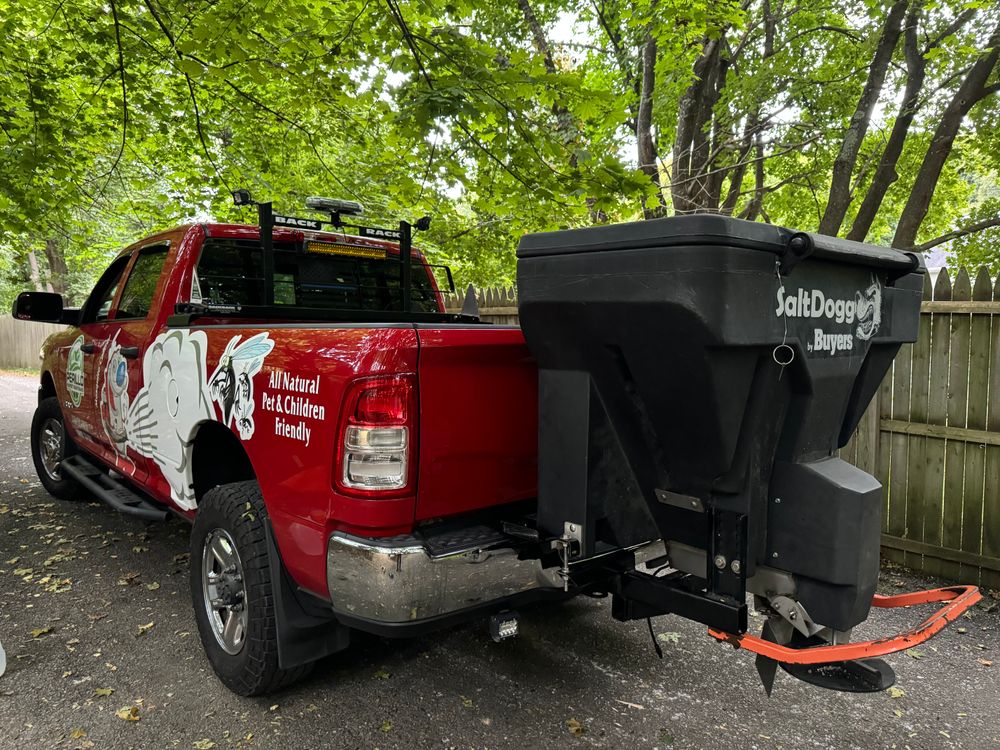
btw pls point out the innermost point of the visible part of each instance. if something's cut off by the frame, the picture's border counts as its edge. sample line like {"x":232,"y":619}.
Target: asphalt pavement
{"x":103,"y":652}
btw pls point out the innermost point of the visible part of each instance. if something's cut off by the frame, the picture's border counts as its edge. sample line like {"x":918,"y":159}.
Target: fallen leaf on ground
{"x":129,"y":579}
{"x":630,"y":705}
{"x":386,"y":726}
{"x":143,"y":629}
{"x":467,"y":702}
{"x":575,"y":727}
{"x":153,"y":586}
{"x":205,"y":744}
{"x":895,"y":692}
{"x":382,"y":675}
{"x":128,"y":713}
{"x":915,"y":653}
{"x":668,"y":637}
{"x":77,"y":734}
{"x":39,"y":632}
{"x":103,"y":692}
{"x":986,"y":662}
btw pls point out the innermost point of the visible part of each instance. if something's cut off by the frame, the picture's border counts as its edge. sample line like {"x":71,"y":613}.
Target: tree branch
{"x":190,"y":85}
{"x":121,"y":74}
{"x":960,"y":20}
{"x":955,"y":234}
{"x":969,"y":93}
{"x":843,"y":166}
{"x":886,"y":173}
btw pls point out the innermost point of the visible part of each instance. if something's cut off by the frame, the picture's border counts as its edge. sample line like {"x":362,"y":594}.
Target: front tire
{"x":231,"y":591}
{"x":50,"y":446}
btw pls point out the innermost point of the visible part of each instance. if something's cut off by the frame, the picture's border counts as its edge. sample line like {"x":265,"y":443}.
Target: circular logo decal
{"x":74,"y":371}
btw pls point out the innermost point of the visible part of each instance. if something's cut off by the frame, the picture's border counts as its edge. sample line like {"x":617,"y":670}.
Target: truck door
{"x":113,"y":372}
{"x":81,"y":407}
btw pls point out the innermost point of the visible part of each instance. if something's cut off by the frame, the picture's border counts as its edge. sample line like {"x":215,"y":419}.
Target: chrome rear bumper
{"x":396,"y":580}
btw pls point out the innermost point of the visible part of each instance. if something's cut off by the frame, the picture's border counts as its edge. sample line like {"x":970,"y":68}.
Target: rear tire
{"x":50,"y":446}
{"x":232,"y":594}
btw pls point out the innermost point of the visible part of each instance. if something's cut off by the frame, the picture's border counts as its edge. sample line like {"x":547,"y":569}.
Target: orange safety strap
{"x":958,"y":598}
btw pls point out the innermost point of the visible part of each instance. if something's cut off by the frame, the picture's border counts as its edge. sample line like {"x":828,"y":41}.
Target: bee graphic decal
{"x":231,"y":384}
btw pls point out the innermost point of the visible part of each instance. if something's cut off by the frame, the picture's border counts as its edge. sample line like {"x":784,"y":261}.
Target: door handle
{"x":88,"y":348}
{"x":132,"y":352}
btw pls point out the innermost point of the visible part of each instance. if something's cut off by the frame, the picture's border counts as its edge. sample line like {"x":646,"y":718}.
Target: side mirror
{"x":44,"y":307}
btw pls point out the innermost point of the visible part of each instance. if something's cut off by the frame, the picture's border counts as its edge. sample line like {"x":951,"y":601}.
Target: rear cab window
{"x":335,"y":277}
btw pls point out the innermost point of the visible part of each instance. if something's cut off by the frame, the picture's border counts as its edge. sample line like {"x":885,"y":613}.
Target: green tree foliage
{"x":865,"y":118}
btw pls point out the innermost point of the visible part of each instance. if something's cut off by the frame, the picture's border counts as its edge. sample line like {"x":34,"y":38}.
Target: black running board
{"x":112,"y":491}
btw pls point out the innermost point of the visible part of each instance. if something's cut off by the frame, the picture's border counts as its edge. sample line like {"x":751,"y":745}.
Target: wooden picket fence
{"x":20,"y":342}
{"x":496,"y":304}
{"x":931,"y":435}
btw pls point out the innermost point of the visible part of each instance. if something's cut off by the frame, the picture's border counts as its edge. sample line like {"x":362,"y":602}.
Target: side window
{"x":99,"y":303}
{"x":137,"y":296}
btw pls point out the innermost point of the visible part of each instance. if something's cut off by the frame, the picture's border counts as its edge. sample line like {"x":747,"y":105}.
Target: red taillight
{"x":383,"y":404}
{"x":376,"y":437}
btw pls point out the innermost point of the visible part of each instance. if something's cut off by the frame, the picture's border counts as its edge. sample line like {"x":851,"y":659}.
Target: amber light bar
{"x":336,"y":248}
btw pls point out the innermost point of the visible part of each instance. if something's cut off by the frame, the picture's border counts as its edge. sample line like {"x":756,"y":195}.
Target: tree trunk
{"x":564,"y":119}
{"x":740,"y":169}
{"x":690,"y":127}
{"x":972,"y":90}
{"x":58,"y":273}
{"x":843,"y":167}
{"x":699,"y":194}
{"x":886,"y":174}
{"x":36,"y":279}
{"x":648,"y":161}
{"x":756,"y":204}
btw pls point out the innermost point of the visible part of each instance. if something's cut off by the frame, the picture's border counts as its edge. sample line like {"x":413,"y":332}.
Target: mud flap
{"x":306,"y":631}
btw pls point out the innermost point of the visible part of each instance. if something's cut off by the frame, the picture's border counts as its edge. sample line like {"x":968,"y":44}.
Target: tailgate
{"x":478,"y":419}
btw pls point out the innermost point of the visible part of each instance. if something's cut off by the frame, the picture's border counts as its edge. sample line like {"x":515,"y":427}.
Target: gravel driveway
{"x":96,"y":620}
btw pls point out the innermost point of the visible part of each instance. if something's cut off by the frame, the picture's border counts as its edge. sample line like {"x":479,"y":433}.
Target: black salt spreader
{"x":697,"y":376}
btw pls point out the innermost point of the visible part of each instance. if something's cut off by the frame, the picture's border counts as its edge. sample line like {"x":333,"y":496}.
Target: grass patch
{"x":20,"y":372}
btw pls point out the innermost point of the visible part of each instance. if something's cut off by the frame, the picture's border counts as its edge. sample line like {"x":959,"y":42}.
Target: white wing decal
{"x":174,"y":399}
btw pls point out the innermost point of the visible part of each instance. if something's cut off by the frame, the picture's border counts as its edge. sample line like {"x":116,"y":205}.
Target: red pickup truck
{"x":351,"y":456}
{"x":319,"y":438}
